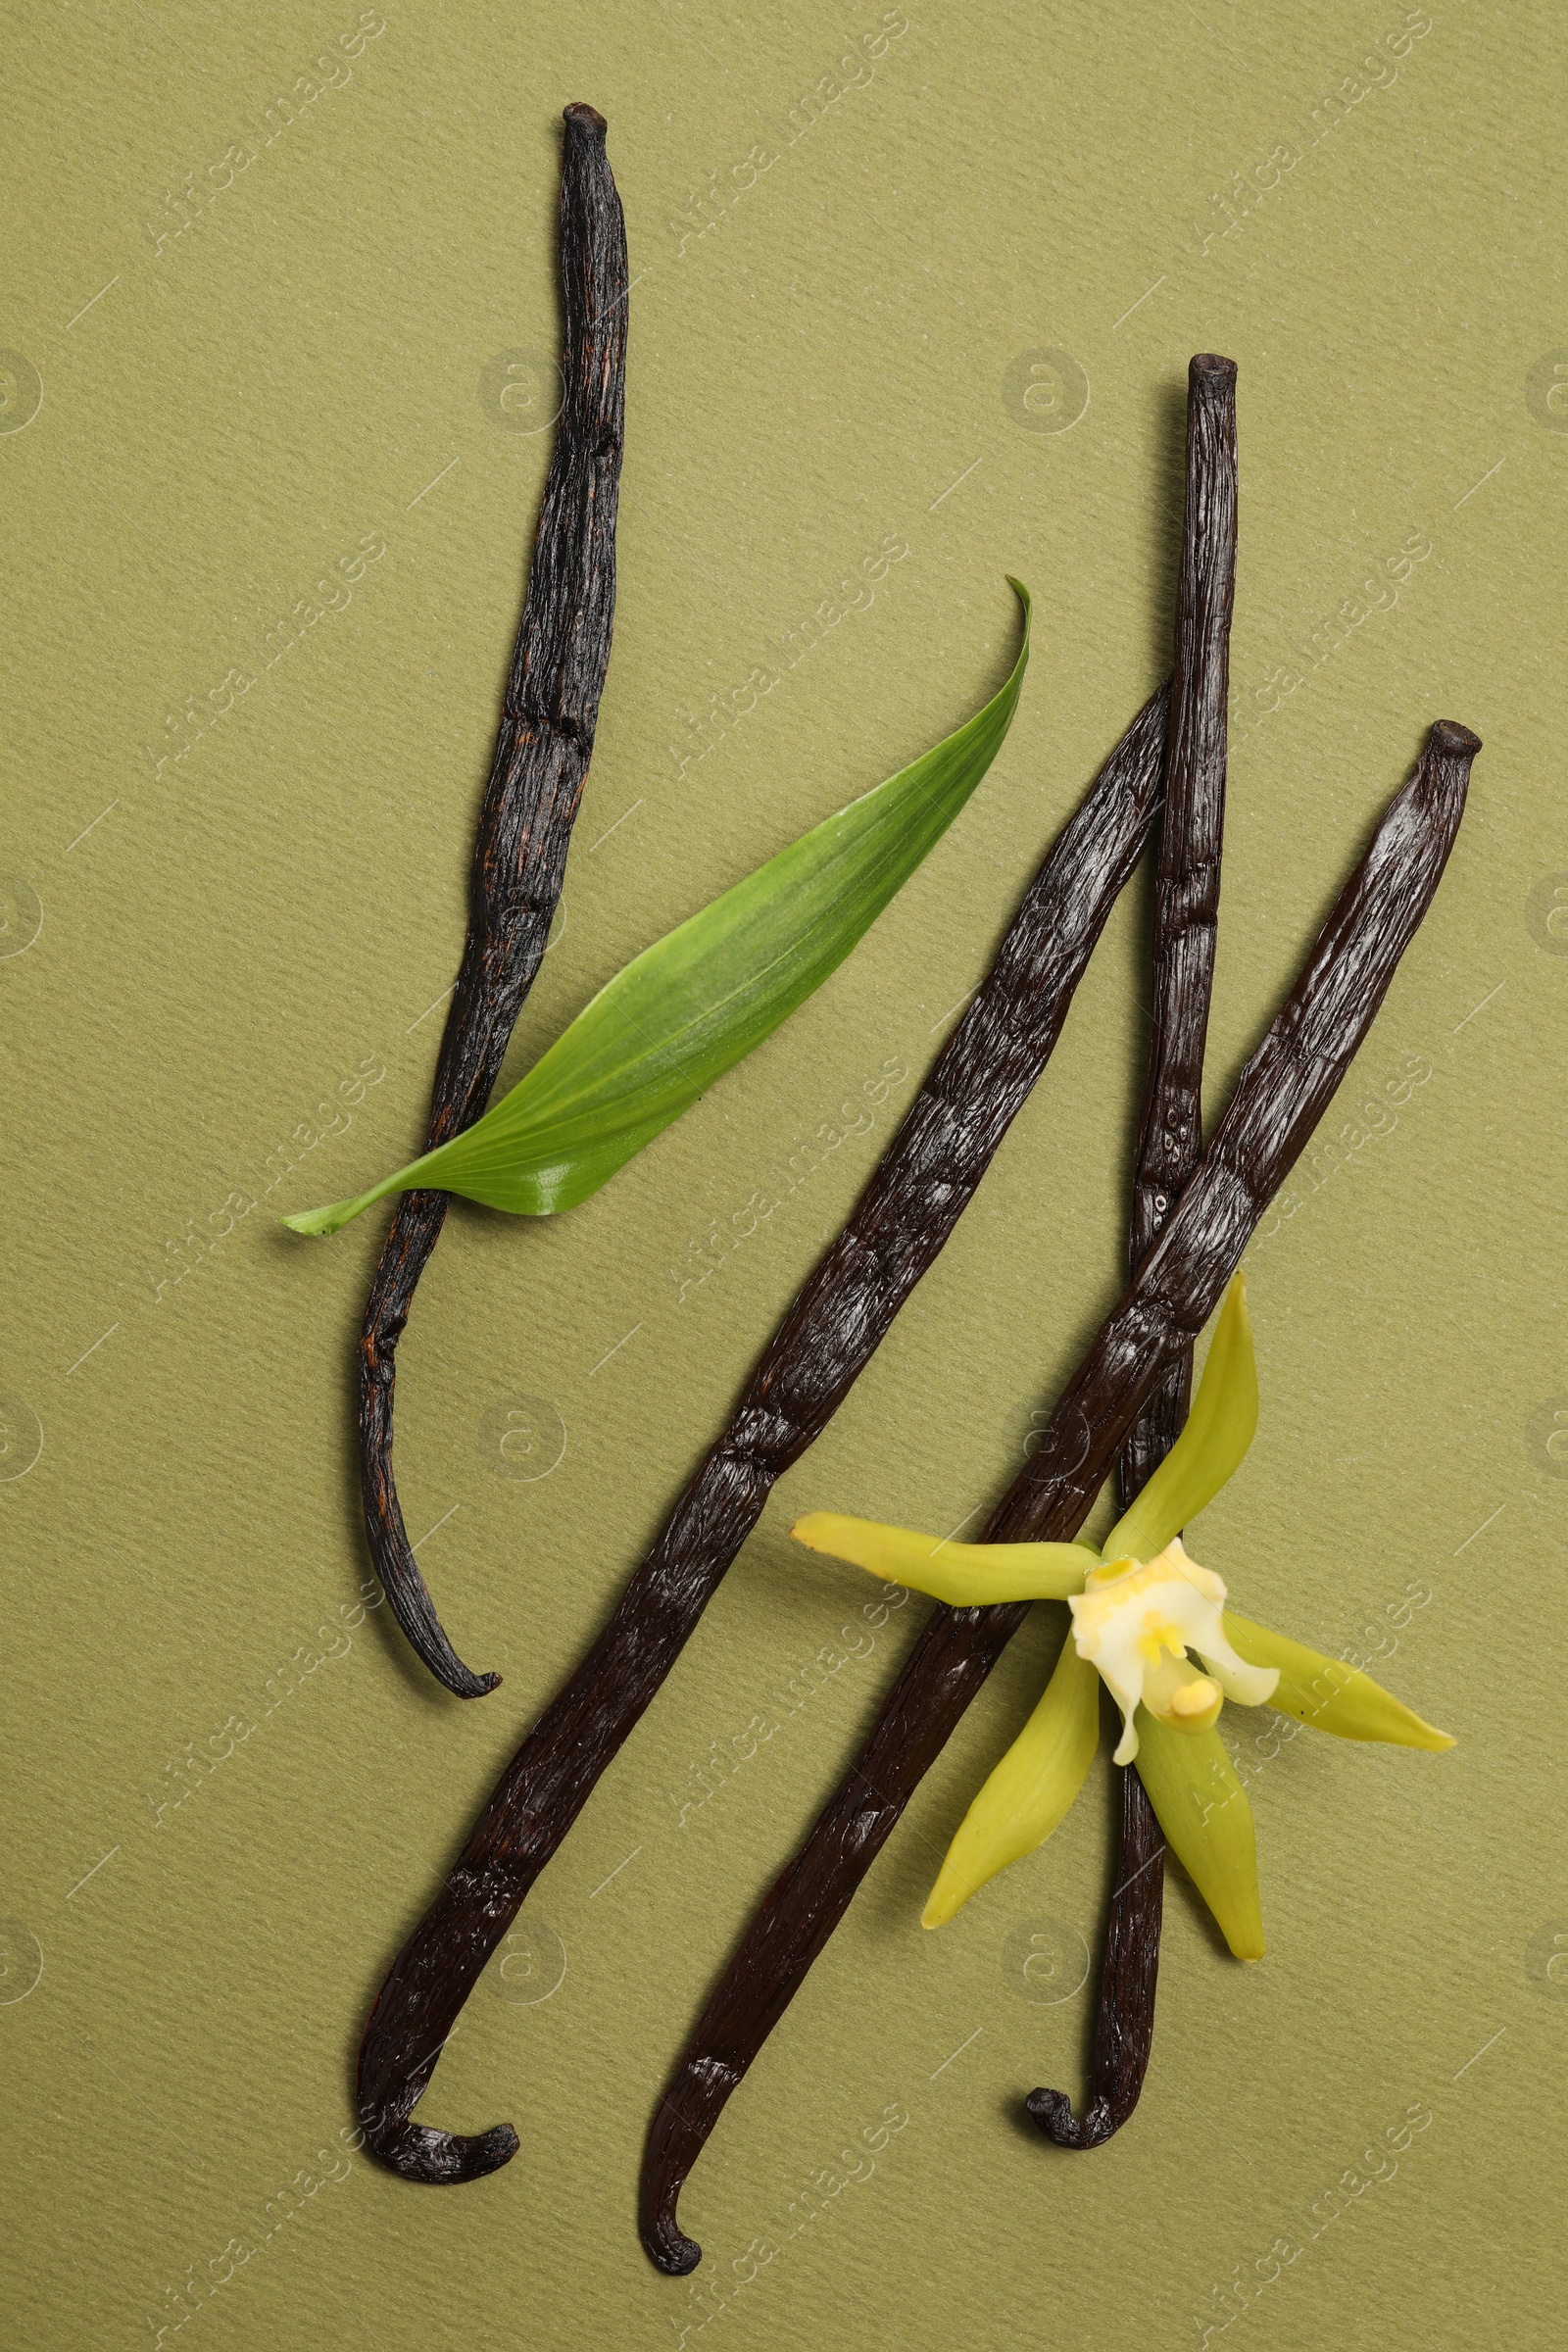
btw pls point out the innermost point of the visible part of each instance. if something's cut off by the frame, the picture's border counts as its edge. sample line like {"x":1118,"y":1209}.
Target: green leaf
{"x":1203,"y":1809}
{"x":1030,"y":1791}
{"x":689,"y":1007}
{"x":1211,"y":1447}
{"x":965,"y":1576}
{"x":1328,"y":1695}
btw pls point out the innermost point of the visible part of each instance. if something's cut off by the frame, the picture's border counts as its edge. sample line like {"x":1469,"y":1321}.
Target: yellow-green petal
{"x":1203,"y":1809}
{"x":1030,"y":1791}
{"x":1211,"y":1447}
{"x":1327,"y":1694}
{"x":965,"y":1576}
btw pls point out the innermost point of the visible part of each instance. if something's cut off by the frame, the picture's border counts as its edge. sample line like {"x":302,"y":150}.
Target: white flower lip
{"x":1136,"y":1619}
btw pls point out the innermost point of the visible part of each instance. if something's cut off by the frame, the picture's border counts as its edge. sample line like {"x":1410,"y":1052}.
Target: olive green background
{"x":225,"y":927}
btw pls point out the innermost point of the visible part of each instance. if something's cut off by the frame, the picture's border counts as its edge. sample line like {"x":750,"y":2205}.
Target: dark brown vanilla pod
{"x":1171,"y":1145}
{"x":1124,"y":2029}
{"x":1187,"y":885}
{"x":928,"y":1173}
{"x":543,"y":747}
{"x":1279,"y":1099}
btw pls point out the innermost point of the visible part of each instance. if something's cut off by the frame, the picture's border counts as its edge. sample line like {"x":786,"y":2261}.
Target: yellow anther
{"x":1195,"y":1697}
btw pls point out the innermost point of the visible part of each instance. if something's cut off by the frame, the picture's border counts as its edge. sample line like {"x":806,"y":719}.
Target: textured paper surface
{"x":227,"y":931}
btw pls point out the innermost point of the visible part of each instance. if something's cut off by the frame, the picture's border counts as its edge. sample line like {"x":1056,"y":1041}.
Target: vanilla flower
{"x":1135,"y":1620}
{"x":1154,"y":1626}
